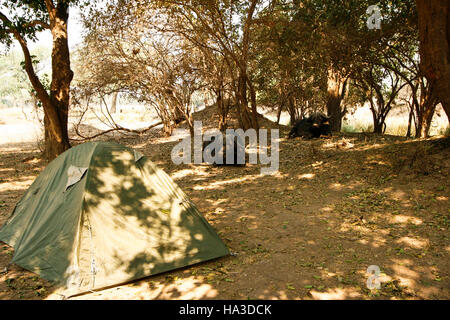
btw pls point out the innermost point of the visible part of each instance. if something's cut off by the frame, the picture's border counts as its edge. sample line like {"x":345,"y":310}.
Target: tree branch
{"x":84,"y":138}
{"x":35,"y":23}
{"x":50,"y":9}
{"x":36,"y":83}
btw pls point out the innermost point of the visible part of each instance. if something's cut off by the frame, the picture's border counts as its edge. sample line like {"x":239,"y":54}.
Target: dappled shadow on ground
{"x":311,"y":230}
{"x":19,"y":165}
{"x":336,"y":207}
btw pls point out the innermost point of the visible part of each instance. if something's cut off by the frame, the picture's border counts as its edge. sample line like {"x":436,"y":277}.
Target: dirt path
{"x":335,"y":207}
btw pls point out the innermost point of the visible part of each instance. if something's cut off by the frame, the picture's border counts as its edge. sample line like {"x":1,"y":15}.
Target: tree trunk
{"x":242,"y":105}
{"x":223,"y":108}
{"x":166,"y":120}
{"x":378,"y":120}
{"x":58,"y":138}
{"x":379,"y":114}
{"x":176,"y":114}
{"x":190,"y":121}
{"x":378,"y":126}
{"x":424,"y":119}
{"x":220,"y":107}
{"x":410,"y":118}
{"x":255,"y":124}
{"x":425,"y":107}
{"x":53,"y":147}
{"x":434,"y":31}
{"x":280,"y":109}
{"x":167,"y":129}
{"x":281,"y":101}
{"x":335,"y":93}
{"x":247,"y":120}
{"x":334,"y":112}
{"x":114,"y":102}
{"x":292,"y":110}
{"x":429,"y":118}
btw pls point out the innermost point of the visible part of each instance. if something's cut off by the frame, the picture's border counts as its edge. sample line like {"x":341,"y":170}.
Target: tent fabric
{"x":74,"y":174}
{"x":101,"y":214}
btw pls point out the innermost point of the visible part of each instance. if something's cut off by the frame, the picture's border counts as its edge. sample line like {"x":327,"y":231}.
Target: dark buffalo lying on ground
{"x":237,"y":161}
{"x":316,"y":125}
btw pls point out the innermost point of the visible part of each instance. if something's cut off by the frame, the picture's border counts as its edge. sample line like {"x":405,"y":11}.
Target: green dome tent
{"x":101,"y":214}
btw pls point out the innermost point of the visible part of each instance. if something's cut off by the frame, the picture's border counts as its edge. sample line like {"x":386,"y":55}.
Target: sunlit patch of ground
{"x":188,"y":288}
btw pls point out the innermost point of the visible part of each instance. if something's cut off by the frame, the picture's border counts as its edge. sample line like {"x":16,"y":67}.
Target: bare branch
{"x":84,"y":138}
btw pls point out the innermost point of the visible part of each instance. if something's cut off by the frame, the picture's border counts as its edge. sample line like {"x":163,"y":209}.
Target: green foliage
{"x":14,"y":85}
{"x":298,"y":41}
{"x":20,"y":15}
{"x":27,"y":18}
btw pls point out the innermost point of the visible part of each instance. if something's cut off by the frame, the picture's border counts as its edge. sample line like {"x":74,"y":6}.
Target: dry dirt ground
{"x":310,"y":231}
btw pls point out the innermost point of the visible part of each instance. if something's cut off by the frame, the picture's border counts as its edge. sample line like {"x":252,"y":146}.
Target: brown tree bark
{"x":292,"y":110}
{"x":280,"y":109}
{"x":245,"y":119}
{"x":336,"y":86}
{"x":248,"y":119}
{"x":379,"y":125}
{"x":410,"y":119}
{"x":434,"y":34}
{"x":255,"y":124}
{"x":424,"y":121}
{"x":223,"y":106}
{"x":60,"y":86}
{"x":282,"y":102}
{"x":425,"y":110}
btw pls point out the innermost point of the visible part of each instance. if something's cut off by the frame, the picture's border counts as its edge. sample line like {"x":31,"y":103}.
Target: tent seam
{"x":82,"y":209}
